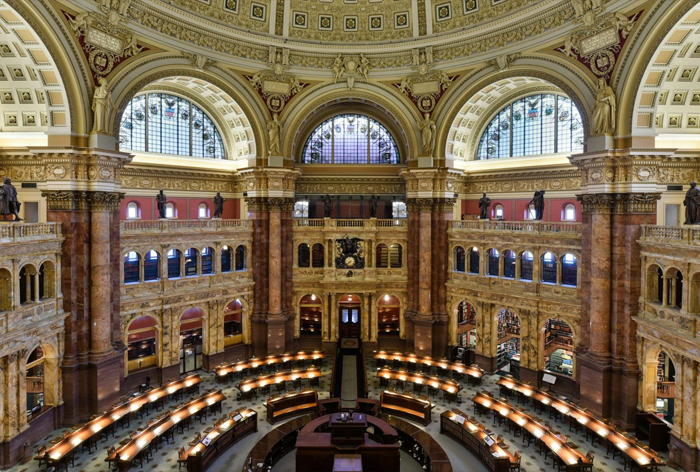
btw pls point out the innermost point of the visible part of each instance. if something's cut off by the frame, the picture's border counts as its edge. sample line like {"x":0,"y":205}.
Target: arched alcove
{"x":233,"y":323}
{"x":558,"y":354}
{"x":508,"y":345}
{"x":192,"y":341}
{"x":143,"y":344}
{"x":388,"y":316}
{"x":310,"y":315}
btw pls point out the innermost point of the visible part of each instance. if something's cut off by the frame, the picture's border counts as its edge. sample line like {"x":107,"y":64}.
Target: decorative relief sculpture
{"x":692,"y":205}
{"x":101,"y":106}
{"x":427,"y":132}
{"x":218,"y":205}
{"x":338,"y":68}
{"x":275,"y":86}
{"x":350,"y":253}
{"x":504,"y":61}
{"x":426,"y":87}
{"x":364,"y":66}
{"x":105,"y":43}
{"x":161,"y":200}
{"x":538,"y":201}
{"x":605,"y":109}
{"x":484,"y":205}
{"x":273,"y":130}
{"x":9,"y":204}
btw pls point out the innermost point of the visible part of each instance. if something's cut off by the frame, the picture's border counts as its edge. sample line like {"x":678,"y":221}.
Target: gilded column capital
{"x":419,"y":204}
{"x":444,"y":204}
{"x":105,"y":201}
{"x":256,"y":203}
{"x":62,"y":200}
{"x":594,"y":203}
{"x":280,"y":204}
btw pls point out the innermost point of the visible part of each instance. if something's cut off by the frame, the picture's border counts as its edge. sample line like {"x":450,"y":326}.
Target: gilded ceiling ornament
{"x":116,"y":10}
{"x":104,"y":43}
{"x":502,"y":62}
{"x":351,"y":67}
{"x":426,"y":87}
{"x":198,"y":61}
{"x":597,"y":44}
{"x":275,"y":86}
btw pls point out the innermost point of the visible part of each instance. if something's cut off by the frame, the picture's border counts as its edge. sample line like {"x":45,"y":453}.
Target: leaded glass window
{"x":350,"y":139}
{"x":534,"y":125}
{"x":166,"y":124}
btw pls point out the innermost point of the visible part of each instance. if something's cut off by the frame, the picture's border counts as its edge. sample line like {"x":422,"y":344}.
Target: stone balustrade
{"x":671,"y":234}
{"x":371,"y":223}
{"x":25,"y":232}
{"x":518,"y":226}
{"x":181,"y":226}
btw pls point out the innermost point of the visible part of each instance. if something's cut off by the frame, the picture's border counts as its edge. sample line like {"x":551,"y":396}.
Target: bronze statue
{"x":161,"y":200}
{"x":373,"y":206}
{"x":692,"y":205}
{"x":327,"y":205}
{"x":538,"y":201}
{"x":484,"y":205}
{"x":218,"y":205}
{"x":9,"y":204}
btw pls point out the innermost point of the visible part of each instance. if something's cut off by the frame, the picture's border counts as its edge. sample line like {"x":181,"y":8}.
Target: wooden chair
{"x":111,"y":457}
{"x":42,"y":456}
{"x":515,"y":466}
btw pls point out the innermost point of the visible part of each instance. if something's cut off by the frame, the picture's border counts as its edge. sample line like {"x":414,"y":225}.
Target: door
{"x":190,"y":350}
{"x":350,"y":321}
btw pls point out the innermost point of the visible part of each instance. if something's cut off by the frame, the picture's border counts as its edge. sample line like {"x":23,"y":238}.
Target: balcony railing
{"x":518,"y":226}
{"x":180,"y":226}
{"x":671,"y":234}
{"x":15,"y":232}
{"x":353,"y":223}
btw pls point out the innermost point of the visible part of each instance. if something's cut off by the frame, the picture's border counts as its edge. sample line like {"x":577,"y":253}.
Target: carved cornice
{"x":356,"y":185}
{"x":619,"y":203}
{"x":58,"y":200}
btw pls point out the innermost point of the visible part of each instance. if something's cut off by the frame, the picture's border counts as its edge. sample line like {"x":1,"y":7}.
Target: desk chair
{"x":515,"y":466}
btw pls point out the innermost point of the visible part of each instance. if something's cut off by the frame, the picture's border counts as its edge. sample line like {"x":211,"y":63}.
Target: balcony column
{"x":443,"y":211}
{"x":274,"y":313}
{"x":142,"y":263}
{"x":560,"y":263}
{"x":423,"y":321}
{"x":518,"y":266}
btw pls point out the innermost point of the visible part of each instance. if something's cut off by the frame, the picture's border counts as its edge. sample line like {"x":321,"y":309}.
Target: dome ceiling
{"x":472,"y":26}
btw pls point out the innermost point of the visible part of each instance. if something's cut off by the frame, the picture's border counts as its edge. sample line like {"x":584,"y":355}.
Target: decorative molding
{"x":619,"y":203}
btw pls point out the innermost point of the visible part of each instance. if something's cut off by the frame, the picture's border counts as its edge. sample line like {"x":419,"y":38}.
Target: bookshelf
{"x":558,"y":333}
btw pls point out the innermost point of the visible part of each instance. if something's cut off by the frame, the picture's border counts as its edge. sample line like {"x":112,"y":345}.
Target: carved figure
{"x":692,"y":205}
{"x":538,"y":201}
{"x":365,"y":66}
{"x":444,"y":80}
{"x":161,"y":200}
{"x":579,"y":7}
{"x":404,"y":87}
{"x":79,"y":23}
{"x":218,"y":205}
{"x":124,"y":7}
{"x":605,"y":109}
{"x":256,"y":80}
{"x":273,"y":130}
{"x":101,"y":106}
{"x":427,"y":131}
{"x":295,"y":87}
{"x":569,"y":48}
{"x":338,"y":68}
{"x":133,"y":48}
{"x":623,"y":24}
{"x":484,"y":205}
{"x":596,"y":4}
{"x":373,"y":206}
{"x":327,"y":205}
{"x":9,"y":204}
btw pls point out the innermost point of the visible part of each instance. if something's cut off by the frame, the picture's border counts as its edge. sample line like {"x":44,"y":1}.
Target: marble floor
{"x":165,"y":459}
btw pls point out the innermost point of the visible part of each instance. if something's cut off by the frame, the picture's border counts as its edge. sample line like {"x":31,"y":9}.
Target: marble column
{"x":100,"y":284}
{"x":258,"y":216}
{"x":442,"y":211}
{"x":423,"y":321}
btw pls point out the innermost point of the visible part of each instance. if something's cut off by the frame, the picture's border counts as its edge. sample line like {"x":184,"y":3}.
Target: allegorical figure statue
{"x":484,"y":205}
{"x":373,"y":206}
{"x":692,"y":205}
{"x":218,"y":205}
{"x":161,"y":200}
{"x":327,"y":205}
{"x":605,"y":109}
{"x":273,"y":129}
{"x":101,"y":106}
{"x":427,"y":132}
{"x":9,"y":204}
{"x":538,"y":201}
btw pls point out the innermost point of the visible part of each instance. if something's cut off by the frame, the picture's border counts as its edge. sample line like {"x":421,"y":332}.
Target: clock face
{"x":350,"y":261}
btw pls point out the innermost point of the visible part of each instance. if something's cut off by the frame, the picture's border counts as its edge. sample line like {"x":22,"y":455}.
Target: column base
{"x":685,"y":456}
{"x":440,"y":338}
{"x":74,"y":405}
{"x":485,"y":362}
{"x":594,"y":385}
{"x":104,"y":379}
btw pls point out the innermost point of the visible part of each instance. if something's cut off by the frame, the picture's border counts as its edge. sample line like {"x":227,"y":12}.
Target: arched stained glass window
{"x":166,"y":124}
{"x":350,"y":139}
{"x":534,"y":125}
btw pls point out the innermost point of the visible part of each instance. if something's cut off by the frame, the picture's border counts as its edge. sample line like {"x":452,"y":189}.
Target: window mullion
{"x":556,"y":122}
{"x":511,"y":130}
{"x":146,"y":140}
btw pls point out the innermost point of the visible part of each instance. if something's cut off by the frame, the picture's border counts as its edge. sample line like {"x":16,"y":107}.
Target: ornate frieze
{"x":265,"y":182}
{"x":619,"y":203}
{"x":274,"y":85}
{"x":369,"y":185}
{"x":59,"y":200}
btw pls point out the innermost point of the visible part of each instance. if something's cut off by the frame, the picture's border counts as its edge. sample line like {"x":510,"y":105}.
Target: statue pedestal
{"x":600,"y":142}
{"x":275,"y":161}
{"x":425,"y":161}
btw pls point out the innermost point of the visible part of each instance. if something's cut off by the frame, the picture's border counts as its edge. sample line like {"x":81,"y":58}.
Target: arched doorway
{"x":349,"y":316}
{"x":35,"y":383}
{"x":466,"y":332}
{"x":142,"y":344}
{"x":665,"y":387}
{"x":508,"y":350}
{"x":389,"y":317}
{"x":191,"y":340}
{"x":233,"y":323}
{"x":310,"y":316}
{"x":558,"y":347}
